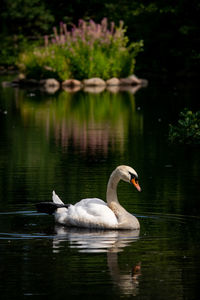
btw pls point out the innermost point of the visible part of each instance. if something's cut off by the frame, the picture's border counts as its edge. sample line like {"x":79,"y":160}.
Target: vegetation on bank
{"x":187,"y":131}
{"x":170,"y":30}
{"x":88,"y":50}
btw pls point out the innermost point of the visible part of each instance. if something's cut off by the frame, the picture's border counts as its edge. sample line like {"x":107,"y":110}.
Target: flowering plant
{"x":85,"y":51}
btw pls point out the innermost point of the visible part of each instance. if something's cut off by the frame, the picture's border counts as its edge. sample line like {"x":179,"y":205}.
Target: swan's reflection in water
{"x":128,"y":282}
{"x":96,"y":241}
{"x":110,"y":242}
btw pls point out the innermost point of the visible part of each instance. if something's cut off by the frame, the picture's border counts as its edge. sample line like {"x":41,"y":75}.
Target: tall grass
{"x":83,"y":51}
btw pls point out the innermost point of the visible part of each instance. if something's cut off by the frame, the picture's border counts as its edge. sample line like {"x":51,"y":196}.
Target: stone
{"x":71,"y":89}
{"x":135,"y":79}
{"x":94,"y":89}
{"x":113,"y":88}
{"x":71,"y":83}
{"x":113,"y":81}
{"x":50,"y":82}
{"x":126,"y":81}
{"x":21,"y":76}
{"x":130,"y":88}
{"x":51,"y":89}
{"x":50,"y":85}
{"x":94,"y":82}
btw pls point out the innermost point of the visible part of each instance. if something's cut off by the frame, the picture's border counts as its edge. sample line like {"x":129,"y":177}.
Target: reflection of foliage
{"x":188,"y":129}
{"x":87,"y":120}
{"x":100,"y":107}
{"x":49,"y":141}
{"x":83,"y":107}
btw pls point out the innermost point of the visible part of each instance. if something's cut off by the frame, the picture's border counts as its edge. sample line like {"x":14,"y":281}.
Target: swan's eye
{"x":133,"y":177}
{"x":134,"y":181}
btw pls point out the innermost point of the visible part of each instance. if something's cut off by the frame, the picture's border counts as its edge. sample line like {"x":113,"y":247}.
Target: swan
{"x":94,"y":212}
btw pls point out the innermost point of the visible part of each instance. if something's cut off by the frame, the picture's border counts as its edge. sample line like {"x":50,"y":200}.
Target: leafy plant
{"x":41,"y":63}
{"x":187,"y":131}
{"x":89,"y":50}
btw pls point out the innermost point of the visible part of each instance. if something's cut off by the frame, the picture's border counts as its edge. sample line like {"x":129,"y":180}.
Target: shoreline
{"x":95,"y":85}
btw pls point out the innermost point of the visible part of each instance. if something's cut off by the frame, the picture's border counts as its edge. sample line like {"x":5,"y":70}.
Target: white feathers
{"x":56,"y":199}
{"x":94,"y":212}
{"x":89,"y":213}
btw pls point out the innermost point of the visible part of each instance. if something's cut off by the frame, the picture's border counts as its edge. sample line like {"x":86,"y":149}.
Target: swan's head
{"x":128,"y":174}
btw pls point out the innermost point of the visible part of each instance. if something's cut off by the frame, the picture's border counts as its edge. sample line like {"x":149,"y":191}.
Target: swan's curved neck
{"x":124,"y":218}
{"x":111,"y":195}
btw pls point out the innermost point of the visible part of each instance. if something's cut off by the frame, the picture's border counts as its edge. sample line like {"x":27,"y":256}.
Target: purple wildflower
{"x":112,"y":26}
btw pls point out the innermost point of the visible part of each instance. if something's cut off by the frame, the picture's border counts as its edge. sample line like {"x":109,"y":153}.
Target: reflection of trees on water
{"x":85,"y":121}
{"x":110,"y":242}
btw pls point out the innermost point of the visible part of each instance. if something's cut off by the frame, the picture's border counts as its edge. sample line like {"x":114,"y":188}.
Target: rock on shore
{"x":51,"y":85}
{"x":94,"y":82}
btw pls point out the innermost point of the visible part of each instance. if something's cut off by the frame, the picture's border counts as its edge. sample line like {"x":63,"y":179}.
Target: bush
{"x":188,"y":129}
{"x":41,"y":63}
{"x":89,"y":50}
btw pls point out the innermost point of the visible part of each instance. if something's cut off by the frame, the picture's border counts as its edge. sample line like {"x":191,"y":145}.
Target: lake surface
{"x":71,"y":142}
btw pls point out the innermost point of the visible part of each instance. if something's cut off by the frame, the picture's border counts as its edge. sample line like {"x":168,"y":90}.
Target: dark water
{"x":71,"y":142}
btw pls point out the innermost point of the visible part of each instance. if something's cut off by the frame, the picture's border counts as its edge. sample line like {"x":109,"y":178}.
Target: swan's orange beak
{"x":136,"y":184}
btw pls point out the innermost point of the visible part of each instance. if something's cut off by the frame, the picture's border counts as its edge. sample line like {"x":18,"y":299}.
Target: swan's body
{"x":95,"y":213}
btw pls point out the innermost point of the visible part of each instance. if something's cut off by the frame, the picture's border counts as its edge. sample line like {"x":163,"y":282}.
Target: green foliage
{"x":25,"y":17}
{"x":187,"y":131}
{"x":165,"y":26}
{"x":22,"y":22}
{"x":41,"y":63}
{"x":89,"y":50}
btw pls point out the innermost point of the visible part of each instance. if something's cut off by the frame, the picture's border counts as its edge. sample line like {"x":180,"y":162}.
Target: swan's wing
{"x":56,"y":199}
{"x":92,"y":213}
{"x":60,"y":213}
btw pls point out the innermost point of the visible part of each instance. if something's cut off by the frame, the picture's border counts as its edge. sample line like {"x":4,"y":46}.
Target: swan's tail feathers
{"x":56,"y":199}
{"x":49,"y":207}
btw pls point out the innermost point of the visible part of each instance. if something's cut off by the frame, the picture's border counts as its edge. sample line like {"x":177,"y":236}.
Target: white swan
{"x":94,"y":212}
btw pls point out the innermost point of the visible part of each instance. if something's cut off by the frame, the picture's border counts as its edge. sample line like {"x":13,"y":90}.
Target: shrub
{"x":40,"y":63}
{"x":187,"y":131}
{"x":89,"y":50}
